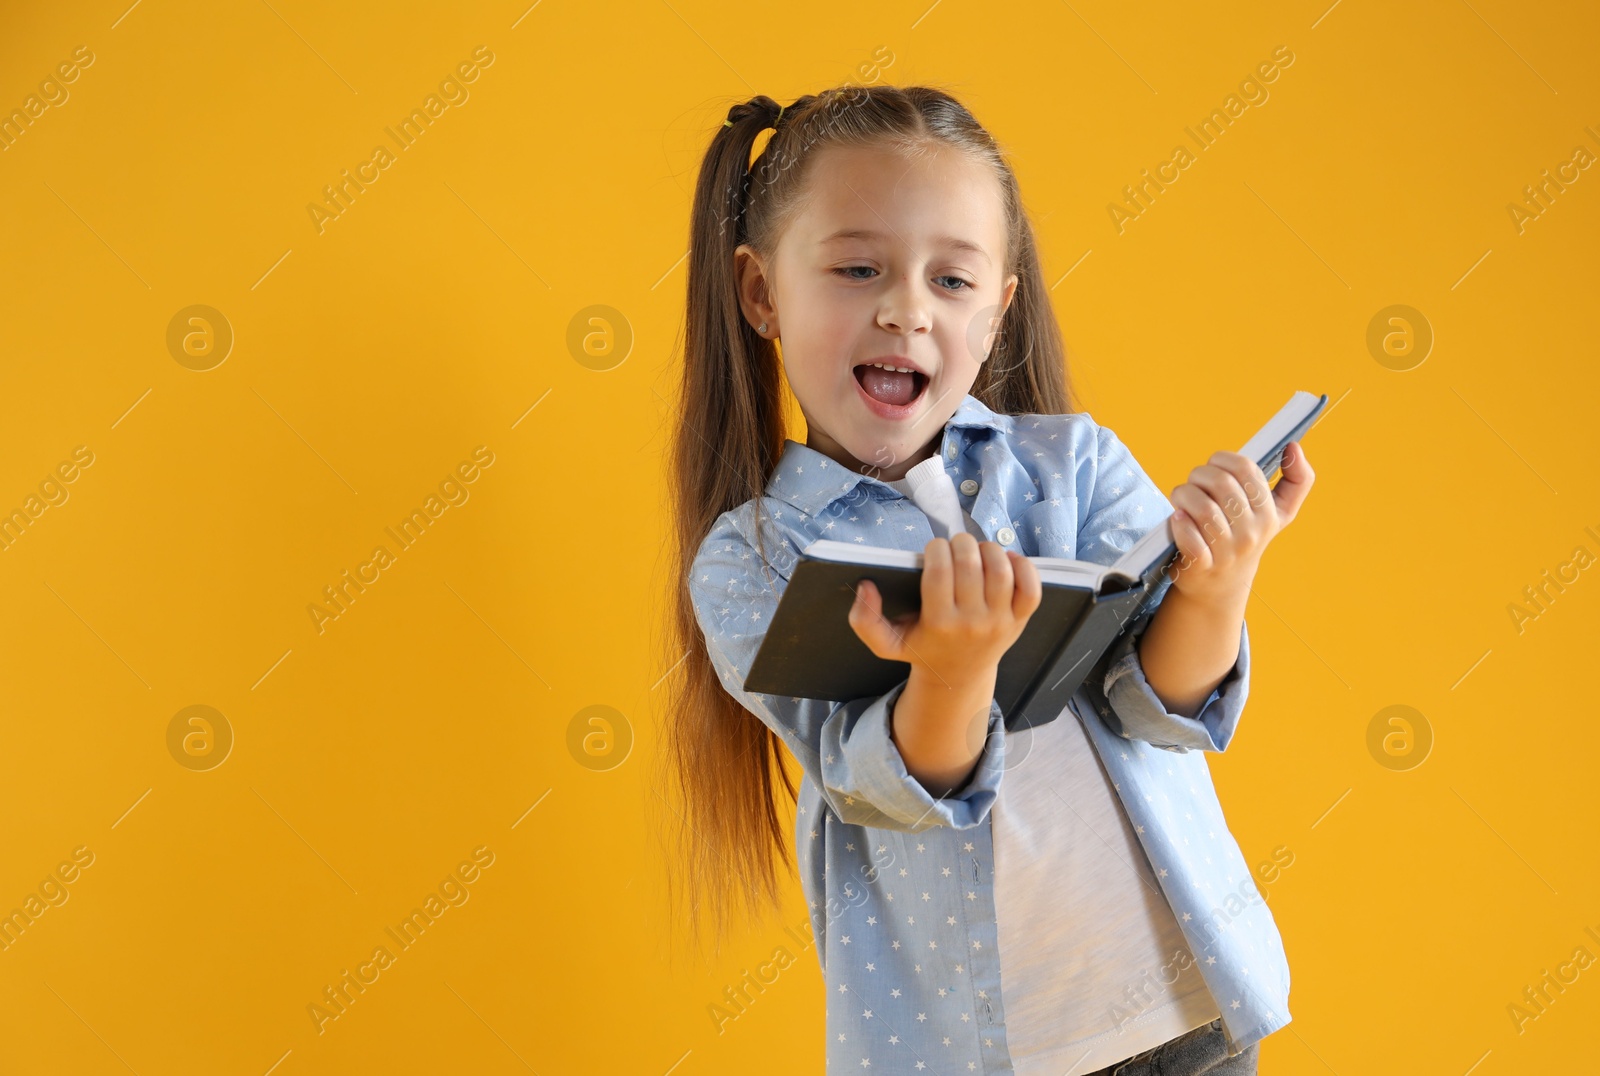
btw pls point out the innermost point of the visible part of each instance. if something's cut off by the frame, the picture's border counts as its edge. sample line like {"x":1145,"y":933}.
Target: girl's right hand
{"x":976,"y":599}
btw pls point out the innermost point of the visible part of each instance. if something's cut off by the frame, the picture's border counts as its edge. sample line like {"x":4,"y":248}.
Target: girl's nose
{"x":904,"y":309}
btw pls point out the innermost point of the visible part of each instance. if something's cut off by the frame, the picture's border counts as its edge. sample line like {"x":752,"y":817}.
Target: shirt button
{"x":951,"y":451}
{"x":1006,"y":536}
{"x":969,"y":487}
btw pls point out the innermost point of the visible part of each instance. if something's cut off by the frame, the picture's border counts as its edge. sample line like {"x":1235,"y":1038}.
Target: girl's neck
{"x":819,"y":441}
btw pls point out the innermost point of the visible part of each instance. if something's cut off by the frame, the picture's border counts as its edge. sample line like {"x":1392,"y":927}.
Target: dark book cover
{"x":810,"y":650}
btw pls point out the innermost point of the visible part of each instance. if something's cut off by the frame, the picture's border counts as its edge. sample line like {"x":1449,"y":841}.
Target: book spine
{"x":1023,"y":713}
{"x":1084,"y":646}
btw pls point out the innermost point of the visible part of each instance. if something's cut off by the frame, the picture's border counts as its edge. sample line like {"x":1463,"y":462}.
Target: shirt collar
{"x":810,"y":481}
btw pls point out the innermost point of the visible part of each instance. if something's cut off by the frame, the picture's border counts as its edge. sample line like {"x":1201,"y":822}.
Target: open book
{"x":811,"y":651}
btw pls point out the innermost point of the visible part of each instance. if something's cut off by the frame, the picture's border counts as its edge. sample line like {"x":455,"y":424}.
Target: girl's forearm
{"x":939,"y":726}
{"x":1189,"y":647}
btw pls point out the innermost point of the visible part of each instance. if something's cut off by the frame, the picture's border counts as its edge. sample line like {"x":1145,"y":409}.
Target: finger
{"x":1194,"y":552}
{"x":1228,"y":492}
{"x":1257,"y":490}
{"x":867,"y":620}
{"x":968,"y":567}
{"x":1028,"y":593}
{"x":997,"y":577}
{"x":1292,"y":488}
{"x":1204,"y":513}
{"x":938,"y":599}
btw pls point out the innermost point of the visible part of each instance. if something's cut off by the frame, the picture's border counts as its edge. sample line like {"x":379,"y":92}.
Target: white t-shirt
{"x":1093,"y":965}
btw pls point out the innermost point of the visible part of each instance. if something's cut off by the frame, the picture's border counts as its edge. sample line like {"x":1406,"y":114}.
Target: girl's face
{"x":889,"y":260}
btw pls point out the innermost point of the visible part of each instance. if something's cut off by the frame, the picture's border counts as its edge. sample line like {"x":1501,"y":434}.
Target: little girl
{"x":1059,"y":900}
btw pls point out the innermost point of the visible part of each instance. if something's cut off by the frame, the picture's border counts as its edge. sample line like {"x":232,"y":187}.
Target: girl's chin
{"x":875,"y":444}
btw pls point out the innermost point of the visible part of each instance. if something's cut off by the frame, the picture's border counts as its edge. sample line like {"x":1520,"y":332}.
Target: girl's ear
{"x":755,"y":290}
{"x":1007,"y":292}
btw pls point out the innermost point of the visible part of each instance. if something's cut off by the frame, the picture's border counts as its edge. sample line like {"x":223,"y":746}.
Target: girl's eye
{"x":845,"y":270}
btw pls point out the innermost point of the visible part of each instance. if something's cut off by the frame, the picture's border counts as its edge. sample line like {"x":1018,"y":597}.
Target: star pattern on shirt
{"x":1027,"y":475}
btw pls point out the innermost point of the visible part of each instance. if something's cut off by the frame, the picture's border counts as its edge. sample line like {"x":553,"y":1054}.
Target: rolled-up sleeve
{"x":1123,"y":504}
{"x":844,"y":747}
{"x":1138,"y":713}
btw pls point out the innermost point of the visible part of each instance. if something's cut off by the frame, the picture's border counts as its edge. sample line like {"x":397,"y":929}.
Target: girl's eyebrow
{"x":949,"y":241}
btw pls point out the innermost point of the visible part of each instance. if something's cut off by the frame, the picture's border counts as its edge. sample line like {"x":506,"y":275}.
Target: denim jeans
{"x":1201,"y":1051}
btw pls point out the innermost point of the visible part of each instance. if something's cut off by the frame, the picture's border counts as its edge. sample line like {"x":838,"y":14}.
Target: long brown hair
{"x":722,"y":760}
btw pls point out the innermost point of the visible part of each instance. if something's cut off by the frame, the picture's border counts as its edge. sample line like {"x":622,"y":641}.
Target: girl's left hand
{"x":1225,"y":515}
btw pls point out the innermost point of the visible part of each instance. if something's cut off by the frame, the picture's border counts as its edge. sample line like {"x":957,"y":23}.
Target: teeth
{"x":896,"y":369}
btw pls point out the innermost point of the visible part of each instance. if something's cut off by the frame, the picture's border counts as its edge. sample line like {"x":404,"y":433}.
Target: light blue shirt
{"x":899,"y":883}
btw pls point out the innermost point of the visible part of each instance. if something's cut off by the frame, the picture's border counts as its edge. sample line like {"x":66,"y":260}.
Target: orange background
{"x":444,"y":710}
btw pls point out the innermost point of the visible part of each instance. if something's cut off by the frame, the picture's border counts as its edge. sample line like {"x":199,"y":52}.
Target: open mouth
{"x":890,"y":386}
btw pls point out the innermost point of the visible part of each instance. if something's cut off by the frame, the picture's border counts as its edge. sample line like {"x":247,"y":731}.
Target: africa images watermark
{"x":1538,"y":595}
{"x":772,"y":161}
{"x":1138,"y":997}
{"x":1543,"y":994}
{"x":53,"y":893}
{"x":452,"y":92}
{"x":737,"y":999}
{"x":453,"y":893}
{"x":411,"y":529}
{"x":1252,"y":92}
{"x":53,"y":93}
{"x":53,"y":493}
{"x":1539,"y":201}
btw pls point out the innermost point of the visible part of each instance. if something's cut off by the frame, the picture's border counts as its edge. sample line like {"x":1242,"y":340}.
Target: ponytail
{"x":722,"y":762}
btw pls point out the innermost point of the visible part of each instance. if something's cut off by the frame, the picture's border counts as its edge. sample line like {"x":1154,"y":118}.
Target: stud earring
{"x":763,"y":329}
